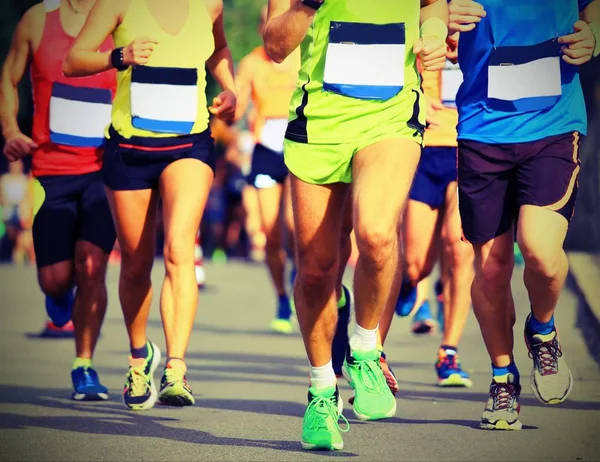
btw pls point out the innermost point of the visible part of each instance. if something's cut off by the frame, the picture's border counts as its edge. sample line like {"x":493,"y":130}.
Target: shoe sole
{"x":364,"y":417}
{"x":281,"y":330}
{"x":501,"y":425}
{"x":534,"y":388}
{"x":177,"y":400}
{"x":455,"y":381}
{"x":151,"y":401}
{"x":90,"y":396}
{"x":423,"y":328}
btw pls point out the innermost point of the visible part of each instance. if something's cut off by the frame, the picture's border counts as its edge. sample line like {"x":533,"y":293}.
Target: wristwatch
{"x":314,"y":4}
{"x":116,"y":59}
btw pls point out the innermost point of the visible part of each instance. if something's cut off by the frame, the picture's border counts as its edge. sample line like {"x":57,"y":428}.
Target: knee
{"x":495,"y":273}
{"x":317,"y":271}
{"x":274,"y":241}
{"x":56,"y":282}
{"x":546,"y":263}
{"x":377,"y":243}
{"x":136,"y":269}
{"x":178,"y":253}
{"x":90,"y":266}
{"x":459,"y":253}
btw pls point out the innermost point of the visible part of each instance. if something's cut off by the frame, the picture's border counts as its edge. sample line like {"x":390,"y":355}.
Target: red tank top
{"x":46,"y":70}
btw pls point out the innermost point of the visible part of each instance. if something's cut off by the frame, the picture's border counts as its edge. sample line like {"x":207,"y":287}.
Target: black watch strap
{"x":116,"y":59}
{"x":312,"y":4}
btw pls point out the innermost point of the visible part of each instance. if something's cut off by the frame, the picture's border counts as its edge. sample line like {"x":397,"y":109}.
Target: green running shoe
{"x":174,"y":389}
{"x":320,"y":427}
{"x":373,"y":399}
{"x":139,"y":393}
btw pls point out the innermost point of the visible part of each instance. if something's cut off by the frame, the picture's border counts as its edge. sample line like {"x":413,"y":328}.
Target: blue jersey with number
{"x":518,"y":23}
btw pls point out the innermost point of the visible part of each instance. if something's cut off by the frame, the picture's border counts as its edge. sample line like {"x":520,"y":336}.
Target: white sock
{"x":363,"y":339}
{"x":322,"y":376}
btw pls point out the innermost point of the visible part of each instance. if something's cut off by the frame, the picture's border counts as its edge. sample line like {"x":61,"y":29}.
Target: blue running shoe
{"x":282,"y":324}
{"x":340,"y":339}
{"x":87,"y":386}
{"x":406,"y":299}
{"x":423,"y":320}
{"x":60,"y":309}
{"x":439,"y":294}
{"x":519,"y":260}
{"x":293,"y":274}
{"x":449,"y":371}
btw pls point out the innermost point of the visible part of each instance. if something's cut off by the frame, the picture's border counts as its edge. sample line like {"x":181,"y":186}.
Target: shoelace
{"x":504,"y":395}
{"x":138,"y":385}
{"x":450,"y":362}
{"x":369,"y":377}
{"x":546,"y":356}
{"x":327,"y":407}
{"x":87,"y":377}
{"x":174,"y":374}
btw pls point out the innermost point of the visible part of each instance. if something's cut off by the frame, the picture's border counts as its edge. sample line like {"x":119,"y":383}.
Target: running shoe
{"x":423,"y":322}
{"x":502,"y":409}
{"x":219,"y":256}
{"x":282,"y":324}
{"x":87,"y":386}
{"x":439,"y":294}
{"x":60,"y":309}
{"x":551,"y":378}
{"x":406,"y":299}
{"x":320,"y":427}
{"x":51,"y":330}
{"x":373,"y":399}
{"x":389,"y":375}
{"x":139,"y":392}
{"x":519,"y":260}
{"x":174,"y":389}
{"x":199,"y":265}
{"x":449,"y":370}
{"x":340,"y":339}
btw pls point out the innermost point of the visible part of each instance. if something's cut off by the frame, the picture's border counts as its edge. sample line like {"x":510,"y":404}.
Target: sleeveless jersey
{"x":269,"y":86}
{"x":166,"y":97}
{"x":382,"y":34}
{"x":48,"y":81}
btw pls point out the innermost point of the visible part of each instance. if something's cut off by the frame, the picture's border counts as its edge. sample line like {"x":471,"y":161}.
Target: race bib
{"x":365,"y":61}
{"x":79,"y":115}
{"x":272,"y":134}
{"x":164,"y":100}
{"x":452,"y":79}
{"x":526,"y":78}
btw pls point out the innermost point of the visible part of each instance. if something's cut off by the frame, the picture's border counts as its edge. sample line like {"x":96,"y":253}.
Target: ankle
{"x":322,"y":376}
{"x":364,"y":339}
{"x":176,"y":363}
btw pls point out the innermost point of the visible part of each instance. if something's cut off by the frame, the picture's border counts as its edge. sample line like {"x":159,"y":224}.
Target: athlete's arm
{"x":243,"y":82}
{"x":220,"y":65}
{"x":431,"y":46}
{"x":17,"y":145}
{"x":579,"y":46}
{"x":84,"y":58}
{"x":287,"y":25}
{"x":464,"y":15}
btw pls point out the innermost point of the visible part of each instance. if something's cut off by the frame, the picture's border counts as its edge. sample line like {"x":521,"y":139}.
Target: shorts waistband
{"x":164,"y":144}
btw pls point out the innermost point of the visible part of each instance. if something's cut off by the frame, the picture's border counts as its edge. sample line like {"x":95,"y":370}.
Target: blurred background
{"x":224,"y":232}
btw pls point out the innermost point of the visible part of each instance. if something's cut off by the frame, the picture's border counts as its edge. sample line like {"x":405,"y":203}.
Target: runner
{"x":73,"y":230}
{"x":522,"y":118}
{"x":431,"y":226}
{"x":159,"y":143}
{"x":269,"y":87}
{"x":356,"y":117}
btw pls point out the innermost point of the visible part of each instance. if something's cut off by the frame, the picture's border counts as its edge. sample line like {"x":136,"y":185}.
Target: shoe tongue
{"x":137,"y":362}
{"x":542,"y":338}
{"x":328,"y":392}
{"x":506,"y":378}
{"x":366,"y":355}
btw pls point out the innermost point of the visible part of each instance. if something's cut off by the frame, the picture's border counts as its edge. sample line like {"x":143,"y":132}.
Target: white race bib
{"x":79,"y":115}
{"x":452,"y":79}
{"x":365,"y":61}
{"x":164,"y":100}
{"x":526,"y":78}
{"x":272,"y":134}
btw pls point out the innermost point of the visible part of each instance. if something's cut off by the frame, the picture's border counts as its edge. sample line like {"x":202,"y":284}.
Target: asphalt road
{"x":250,"y":387}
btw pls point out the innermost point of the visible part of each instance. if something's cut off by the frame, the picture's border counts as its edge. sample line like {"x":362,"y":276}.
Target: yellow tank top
{"x":188,"y":50}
